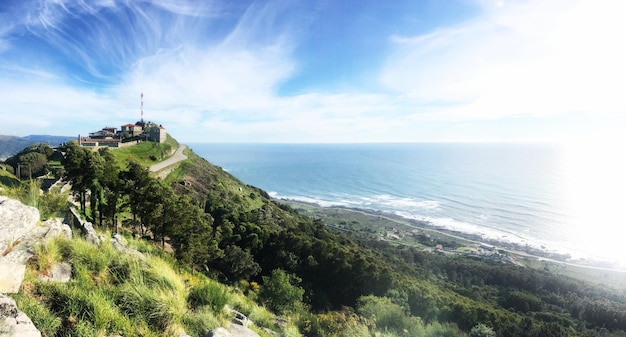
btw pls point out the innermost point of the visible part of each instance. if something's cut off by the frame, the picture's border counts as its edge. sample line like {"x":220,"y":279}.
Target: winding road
{"x":175,"y":158}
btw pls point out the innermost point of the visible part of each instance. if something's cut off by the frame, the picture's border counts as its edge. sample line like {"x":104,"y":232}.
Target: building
{"x":132,"y":129}
{"x":157,"y":134}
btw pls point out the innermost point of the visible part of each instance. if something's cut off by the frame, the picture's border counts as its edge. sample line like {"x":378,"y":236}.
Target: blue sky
{"x":317,"y":71}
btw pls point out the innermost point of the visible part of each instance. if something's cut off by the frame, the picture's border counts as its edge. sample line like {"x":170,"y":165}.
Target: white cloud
{"x":533,"y":58}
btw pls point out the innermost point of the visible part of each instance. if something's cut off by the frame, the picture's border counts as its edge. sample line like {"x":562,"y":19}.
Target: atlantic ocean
{"x":506,"y":192}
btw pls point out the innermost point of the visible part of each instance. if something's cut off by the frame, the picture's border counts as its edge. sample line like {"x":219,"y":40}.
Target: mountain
{"x":10,"y":145}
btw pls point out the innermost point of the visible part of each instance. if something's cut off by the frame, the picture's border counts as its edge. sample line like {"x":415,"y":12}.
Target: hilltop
{"x":321,"y":281}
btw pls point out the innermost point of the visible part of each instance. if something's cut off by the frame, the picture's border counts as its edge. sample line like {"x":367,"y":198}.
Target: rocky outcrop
{"x":120,"y":244}
{"x":87,"y":228}
{"x":19,"y":233}
{"x":13,"y":322}
{"x":16,"y":222}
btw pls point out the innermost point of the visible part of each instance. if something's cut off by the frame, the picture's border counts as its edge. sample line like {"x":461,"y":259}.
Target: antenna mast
{"x":142,"y":107}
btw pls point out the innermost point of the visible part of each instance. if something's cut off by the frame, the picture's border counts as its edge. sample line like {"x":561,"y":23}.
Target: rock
{"x":119,"y":238}
{"x":241,"y":331}
{"x":57,"y":228}
{"x":61,"y":272}
{"x":90,"y":234}
{"x":87,"y":228}
{"x":239,"y":318}
{"x":17,"y":223}
{"x":11,"y":280}
{"x":219,"y":332}
{"x":120,"y":244}
{"x":13,"y":322}
{"x":19,"y":233}
{"x":233,"y":330}
{"x":16,"y":220}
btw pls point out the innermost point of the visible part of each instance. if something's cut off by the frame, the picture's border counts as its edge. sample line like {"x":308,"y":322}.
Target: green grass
{"x":146,"y":153}
{"x":8,"y":180}
{"x":114,"y":293}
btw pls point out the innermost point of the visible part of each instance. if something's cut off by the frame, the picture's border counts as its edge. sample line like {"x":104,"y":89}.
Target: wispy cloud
{"x":211,"y":71}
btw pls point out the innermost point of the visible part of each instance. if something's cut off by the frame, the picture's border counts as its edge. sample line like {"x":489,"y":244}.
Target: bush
{"x":280,"y":291}
{"x":387,"y":315}
{"x":211,"y":294}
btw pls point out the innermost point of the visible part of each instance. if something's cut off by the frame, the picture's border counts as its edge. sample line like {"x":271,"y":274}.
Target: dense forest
{"x":237,"y":234}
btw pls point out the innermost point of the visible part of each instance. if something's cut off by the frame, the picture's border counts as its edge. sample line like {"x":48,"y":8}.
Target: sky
{"x":322,"y":71}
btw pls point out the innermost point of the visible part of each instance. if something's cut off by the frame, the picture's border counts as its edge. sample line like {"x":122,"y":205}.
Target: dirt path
{"x":175,"y":158}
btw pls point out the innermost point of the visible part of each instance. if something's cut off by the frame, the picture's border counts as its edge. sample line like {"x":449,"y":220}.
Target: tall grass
{"x":113,"y":293}
{"x":48,"y":254}
{"x":47,"y":323}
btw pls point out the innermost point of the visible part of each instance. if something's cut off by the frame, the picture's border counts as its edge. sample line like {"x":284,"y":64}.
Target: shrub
{"x":280,"y":291}
{"x":211,"y":294}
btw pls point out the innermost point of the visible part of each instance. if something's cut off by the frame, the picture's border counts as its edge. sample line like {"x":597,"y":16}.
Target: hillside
{"x":324,"y":282}
{"x":338,"y":268}
{"x":10,"y":145}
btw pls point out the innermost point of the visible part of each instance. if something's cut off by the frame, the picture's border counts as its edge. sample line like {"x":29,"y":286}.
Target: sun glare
{"x":592,"y":194}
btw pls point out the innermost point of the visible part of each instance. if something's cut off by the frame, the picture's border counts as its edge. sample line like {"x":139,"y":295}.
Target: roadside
{"x":175,"y":158}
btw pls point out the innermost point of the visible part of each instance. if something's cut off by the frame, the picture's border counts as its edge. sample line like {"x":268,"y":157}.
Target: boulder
{"x":16,"y":220}
{"x":219,"y":332}
{"x":56,"y":228}
{"x":17,"y":223}
{"x":13,"y":322}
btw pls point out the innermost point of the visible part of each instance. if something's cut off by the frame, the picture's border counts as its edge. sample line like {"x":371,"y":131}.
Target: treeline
{"x":237,"y":234}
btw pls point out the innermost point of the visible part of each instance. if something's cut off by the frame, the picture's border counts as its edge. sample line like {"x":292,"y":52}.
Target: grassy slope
{"x":116,"y":293}
{"x":7,"y":179}
{"x":145,"y":152}
{"x":199,"y":177}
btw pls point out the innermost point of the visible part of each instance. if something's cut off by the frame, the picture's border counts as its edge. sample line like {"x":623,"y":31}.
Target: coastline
{"x":526,"y":255}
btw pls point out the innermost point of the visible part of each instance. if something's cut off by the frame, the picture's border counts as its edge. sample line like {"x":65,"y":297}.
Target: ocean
{"x":558,"y":198}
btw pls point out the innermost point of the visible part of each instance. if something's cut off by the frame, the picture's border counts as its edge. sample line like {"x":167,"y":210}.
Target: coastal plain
{"x":376,"y":225}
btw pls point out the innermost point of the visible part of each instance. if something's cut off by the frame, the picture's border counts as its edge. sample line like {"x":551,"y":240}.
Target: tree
{"x":482,"y":330}
{"x":31,"y":161}
{"x":134,"y":183}
{"x":110,"y":184}
{"x":194,"y":239}
{"x":280,"y":291}
{"x":239,"y":264}
{"x":75,"y":162}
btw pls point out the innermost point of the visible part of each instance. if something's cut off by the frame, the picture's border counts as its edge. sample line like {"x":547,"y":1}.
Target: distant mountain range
{"x":10,"y":145}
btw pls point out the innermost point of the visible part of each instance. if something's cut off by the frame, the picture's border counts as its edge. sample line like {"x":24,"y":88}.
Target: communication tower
{"x":142,"y":107}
